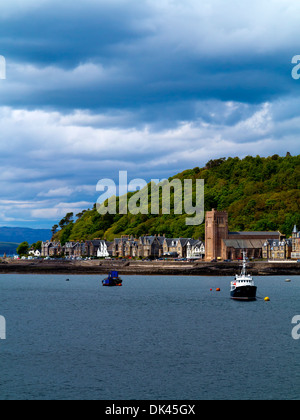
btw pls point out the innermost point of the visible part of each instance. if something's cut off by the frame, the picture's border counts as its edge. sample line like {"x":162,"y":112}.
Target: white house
{"x":195,"y":249}
{"x":36,"y":253}
{"x":102,"y":251}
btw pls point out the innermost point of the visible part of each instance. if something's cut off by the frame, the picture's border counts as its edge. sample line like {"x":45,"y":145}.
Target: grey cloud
{"x":150,"y":54}
{"x":152,"y":87}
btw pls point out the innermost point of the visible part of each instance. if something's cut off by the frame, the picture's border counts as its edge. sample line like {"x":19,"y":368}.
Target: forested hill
{"x":258,"y":193}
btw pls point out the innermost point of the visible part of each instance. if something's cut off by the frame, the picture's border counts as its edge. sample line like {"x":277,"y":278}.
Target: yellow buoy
{"x":267,"y":299}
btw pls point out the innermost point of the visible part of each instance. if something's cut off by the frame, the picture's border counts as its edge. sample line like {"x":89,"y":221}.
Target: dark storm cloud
{"x":150,"y":86}
{"x":150,"y":58}
{"x":67,"y":33}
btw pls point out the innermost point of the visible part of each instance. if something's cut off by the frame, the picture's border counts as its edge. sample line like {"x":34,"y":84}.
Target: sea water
{"x":154,"y":338}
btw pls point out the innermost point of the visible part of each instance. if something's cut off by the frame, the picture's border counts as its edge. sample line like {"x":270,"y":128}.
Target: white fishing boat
{"x":243,"y":287}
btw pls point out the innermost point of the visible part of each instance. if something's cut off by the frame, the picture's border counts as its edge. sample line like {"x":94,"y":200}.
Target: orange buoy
{"x":218,"y":290}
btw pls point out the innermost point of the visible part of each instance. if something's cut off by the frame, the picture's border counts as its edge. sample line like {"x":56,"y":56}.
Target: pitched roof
{"x":183,"y":241}
{"x":151,"y":238}
{"x":278,"y":242}
{"x":244,"y":243}
{"x":266,"y":234}
{"x":194,"y":242}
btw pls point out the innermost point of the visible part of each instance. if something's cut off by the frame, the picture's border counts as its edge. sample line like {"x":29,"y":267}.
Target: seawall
{"x":147,"y":268}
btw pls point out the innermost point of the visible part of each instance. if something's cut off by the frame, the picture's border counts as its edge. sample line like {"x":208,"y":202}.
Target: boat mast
{"x":244,"y":264}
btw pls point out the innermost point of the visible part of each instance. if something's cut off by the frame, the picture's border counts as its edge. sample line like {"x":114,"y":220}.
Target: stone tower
{"x":216,"y":229}
{"x":294,"y":241}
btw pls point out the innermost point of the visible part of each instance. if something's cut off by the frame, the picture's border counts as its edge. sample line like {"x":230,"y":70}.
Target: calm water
{"x":154,"y":338}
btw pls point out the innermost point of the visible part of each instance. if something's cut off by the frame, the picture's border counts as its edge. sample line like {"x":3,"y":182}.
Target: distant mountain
{"x":8,"y":248}
{"x":19,"y":235}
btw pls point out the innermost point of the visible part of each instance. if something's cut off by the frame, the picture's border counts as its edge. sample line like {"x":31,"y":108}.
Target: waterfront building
{"x":35,"y":253}
{"x":295,"y":244}
{"x":183,"y":248}
{"x":69,"y":249}
{"x":104,"y":249}
{"x":174,"y":247}
{"x":220,"y":244}
{"x":97,"y":248}
{"x":150,"y":246}
{"x":51,"y":249}
{"x":277,"y":250}
{"x":131,"y":248}
{"x":74,"y":249}
{"x":195,"y":249}
{"x":118,"y":247}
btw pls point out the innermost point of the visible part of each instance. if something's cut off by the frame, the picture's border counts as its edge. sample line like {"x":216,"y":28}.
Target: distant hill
{"x":19,"y":235}
{"x":8,"y":248}
{"x":259,"y":194}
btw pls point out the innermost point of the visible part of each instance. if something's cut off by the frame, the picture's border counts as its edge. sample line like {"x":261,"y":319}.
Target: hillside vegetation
{"x":258,"y":193}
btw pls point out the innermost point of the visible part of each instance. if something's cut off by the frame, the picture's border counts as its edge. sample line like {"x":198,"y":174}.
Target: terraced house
{"x":124,"y":247}
{"x":184,"y":248}
{"x":275,"y":249}
{"x":295,"y":244}
{"x":283,"y":249}
{"x":150,"y":246}
{"x":51,"y":249}
{"x":144,"y":247}
{"x":74,"y":249}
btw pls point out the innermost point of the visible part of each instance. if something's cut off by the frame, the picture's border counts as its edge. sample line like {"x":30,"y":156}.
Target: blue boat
{"x":112,"y":280}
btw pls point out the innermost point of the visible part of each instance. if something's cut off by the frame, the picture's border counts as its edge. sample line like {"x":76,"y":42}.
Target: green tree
{"x":54,"y":229}
{"x":23,"y":248}
{"x":37,"y":246}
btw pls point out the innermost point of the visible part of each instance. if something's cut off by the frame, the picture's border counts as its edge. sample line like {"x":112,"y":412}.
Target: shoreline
{"x":147,"y":268}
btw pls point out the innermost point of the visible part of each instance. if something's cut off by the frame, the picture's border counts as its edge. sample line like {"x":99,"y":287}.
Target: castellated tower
{"x":216,"y":229}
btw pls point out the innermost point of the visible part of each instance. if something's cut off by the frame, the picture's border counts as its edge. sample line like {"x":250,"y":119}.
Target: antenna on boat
{"x":244,"y":263}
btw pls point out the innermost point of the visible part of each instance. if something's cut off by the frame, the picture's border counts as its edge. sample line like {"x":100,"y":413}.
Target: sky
{"x":152,"y":87}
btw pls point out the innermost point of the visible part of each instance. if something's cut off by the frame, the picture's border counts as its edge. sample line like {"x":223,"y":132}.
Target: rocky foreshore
{"x":179,"y":268}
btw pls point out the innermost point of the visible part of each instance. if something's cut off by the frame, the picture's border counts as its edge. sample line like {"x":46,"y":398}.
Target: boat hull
{"x":112,"y":282}
{"x":247,"y":293}
{"x":111,"y":285}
